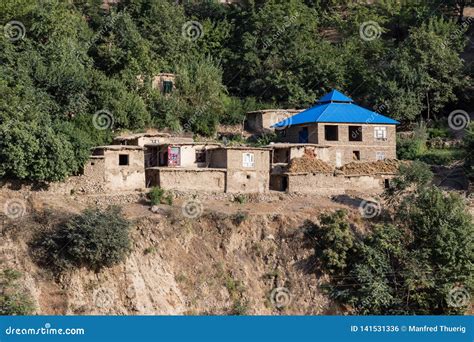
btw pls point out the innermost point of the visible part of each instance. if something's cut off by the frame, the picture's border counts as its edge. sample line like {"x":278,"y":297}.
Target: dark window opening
{"x":356,"y":155}
{"x":92,"y":164}
{"x":281,"y":155}
{"x":303,"y":135}
{"x":163,"y":159}
{"x":167,"y":87}
{"x":355,"y":133}
{"x":248,"y":176}
{"x":387,"y":183}
{"x":201,"y":156}
{"x":278,"y":182}
{"x":331,"y":133}
{"x":123,"y":159}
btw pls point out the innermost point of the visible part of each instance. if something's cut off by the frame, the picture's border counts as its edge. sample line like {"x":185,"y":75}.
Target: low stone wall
{"x":329,"y":184}
{"x":208,"y":180}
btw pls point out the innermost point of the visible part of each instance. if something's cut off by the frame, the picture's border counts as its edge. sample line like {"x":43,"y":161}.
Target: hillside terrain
{"x":226,"y":261}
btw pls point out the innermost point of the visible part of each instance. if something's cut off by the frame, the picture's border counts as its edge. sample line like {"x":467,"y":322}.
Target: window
{"x":355,"y":133}
{"x":167,"y":87}
{"x":248,"y":160}
{"x":123,"y":159}
{"x":380,"y":155}
{"x":303,"y":135}
{"x":380,"y":133}
{"x":200,"y":156}
{"x":356,"y":155}
{"x":331,"y":133}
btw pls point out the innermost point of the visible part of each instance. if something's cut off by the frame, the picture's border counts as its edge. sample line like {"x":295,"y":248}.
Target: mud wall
{"x":209,"y":180}
{"x":328,"y":184}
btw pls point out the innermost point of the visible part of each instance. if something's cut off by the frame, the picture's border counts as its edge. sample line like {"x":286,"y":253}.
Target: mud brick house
{"x":247,"y":168}
{"x":350,"y":132}
{"x":260,"y":121}
{"x":221,"y":169}
{"x":118,"y":167}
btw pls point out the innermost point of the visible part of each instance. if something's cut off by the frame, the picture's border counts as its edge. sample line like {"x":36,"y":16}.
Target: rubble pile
{"x":306,"y":164}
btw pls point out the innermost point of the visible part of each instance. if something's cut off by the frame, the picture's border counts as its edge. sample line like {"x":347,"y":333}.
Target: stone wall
{"x":207,"y":180}
{"x":328,"y":184}
{"x":94,"y":169}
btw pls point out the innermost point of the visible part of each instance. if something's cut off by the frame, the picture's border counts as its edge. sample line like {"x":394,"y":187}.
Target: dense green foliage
{"x":160,"y":196}
{"x":77,"y":58}
{"x":409,"y":266}
{"x":14,"y":299}
{"x":469,"y":146}
{"x":419,"y":146}
{"x":93,"y":239}
{"x":333,"y":241}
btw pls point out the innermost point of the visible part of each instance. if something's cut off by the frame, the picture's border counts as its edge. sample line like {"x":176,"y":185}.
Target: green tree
{"x":334,"y":239}
{"x":411,"y":265}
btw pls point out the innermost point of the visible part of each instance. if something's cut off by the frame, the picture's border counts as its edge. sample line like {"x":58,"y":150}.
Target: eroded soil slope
{"x":229,"y":260}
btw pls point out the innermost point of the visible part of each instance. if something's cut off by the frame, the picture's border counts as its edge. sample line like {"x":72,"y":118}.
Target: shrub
{"x":242,"y":199}
{"x":239,"y":217}
{"x":438,"y":132}
{"x":14,"y":300}
{"x":441,"y":156}
{"x":93,"y":239}
{"x":156,"y":195}
{"x":168,"y":199}
{"x":416,"y":174}
{"x":411,"y":148}
{"x":334,"y":239}
{"x":160,"y":196}
{"x":240,"y":308}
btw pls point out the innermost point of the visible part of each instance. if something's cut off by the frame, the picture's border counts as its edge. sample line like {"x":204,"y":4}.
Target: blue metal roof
{"x":335,"y":95}
{"x":336,"y":107}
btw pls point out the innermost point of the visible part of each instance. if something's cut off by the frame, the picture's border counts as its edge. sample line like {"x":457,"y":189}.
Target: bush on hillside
{"x":92,"y":239}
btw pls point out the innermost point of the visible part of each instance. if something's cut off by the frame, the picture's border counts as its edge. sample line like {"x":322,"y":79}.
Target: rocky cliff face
{"x":233,"y":259}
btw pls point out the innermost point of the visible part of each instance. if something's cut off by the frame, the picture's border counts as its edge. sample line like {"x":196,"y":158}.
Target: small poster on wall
{"x":174,"y":156}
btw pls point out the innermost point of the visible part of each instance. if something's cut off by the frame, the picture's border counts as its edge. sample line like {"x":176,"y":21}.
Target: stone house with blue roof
{"x":349,"y":132}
